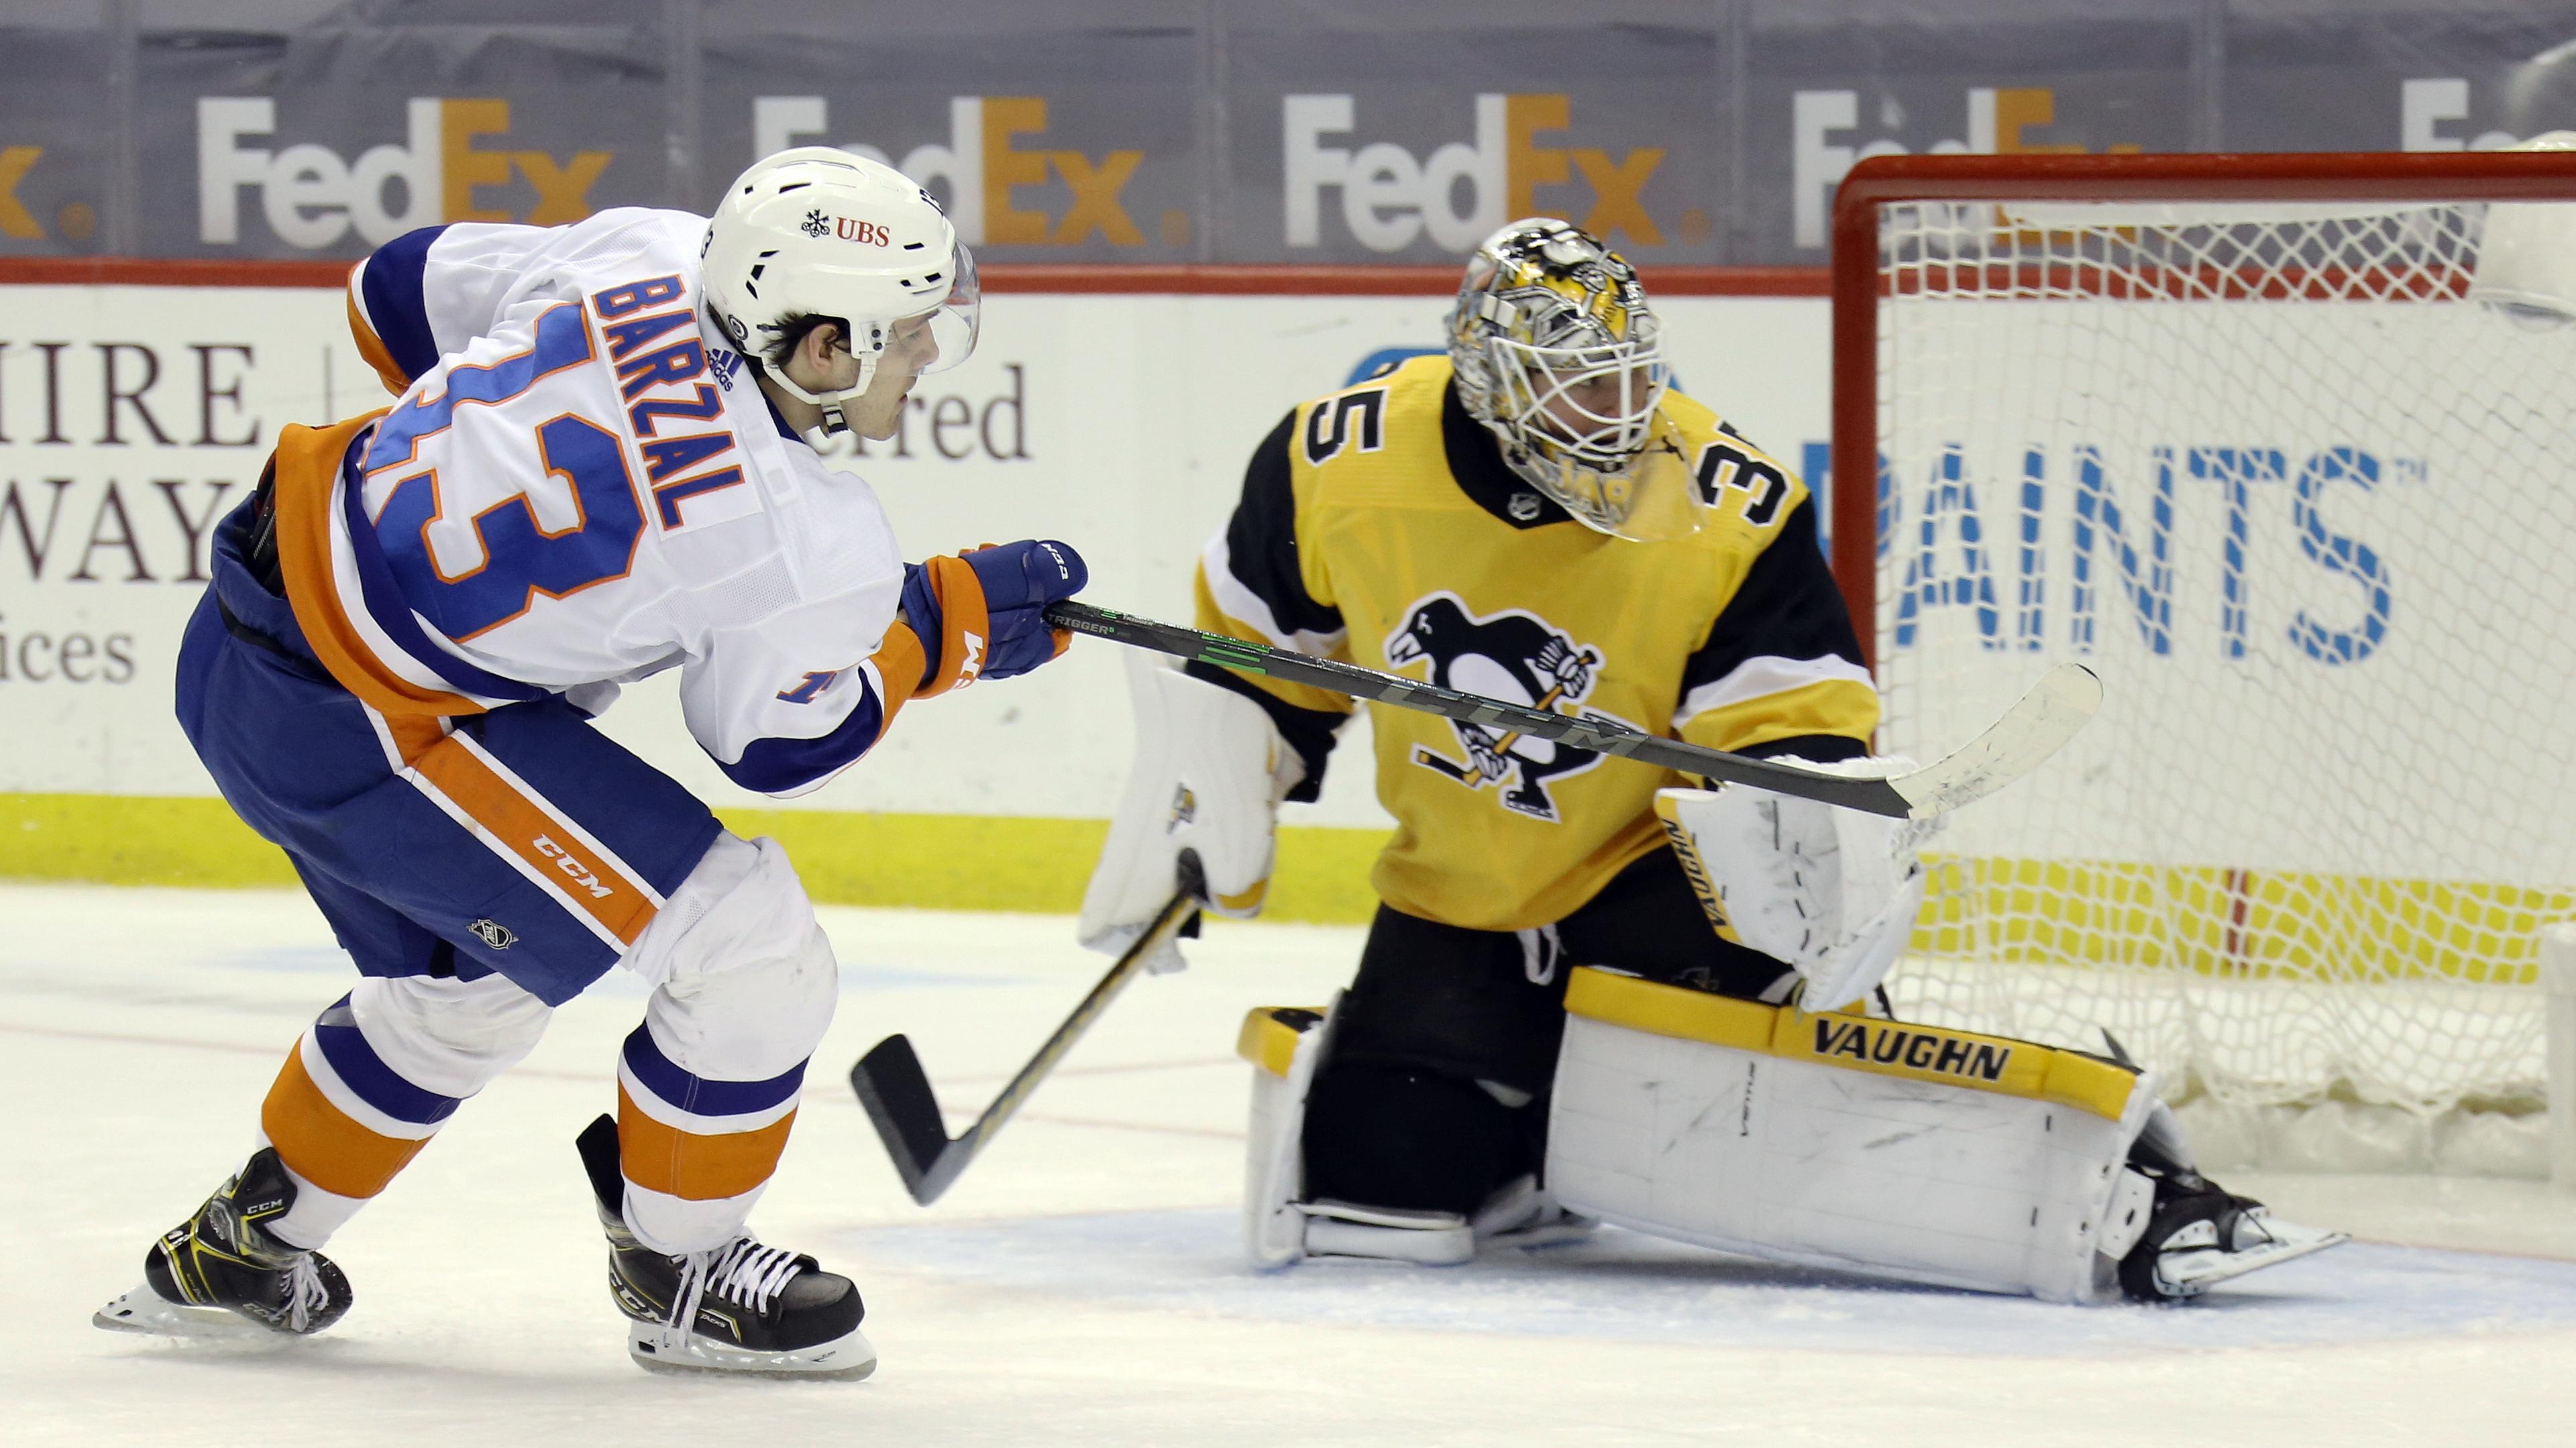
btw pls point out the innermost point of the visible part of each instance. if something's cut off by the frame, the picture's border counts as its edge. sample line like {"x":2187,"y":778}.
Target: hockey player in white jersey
{"x":597,"y":469}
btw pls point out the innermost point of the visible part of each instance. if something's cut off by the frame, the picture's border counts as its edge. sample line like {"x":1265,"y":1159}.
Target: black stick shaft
{"x":1596,"y":735}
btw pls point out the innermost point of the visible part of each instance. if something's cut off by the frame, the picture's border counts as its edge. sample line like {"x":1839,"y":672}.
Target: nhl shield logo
{"x":1514,"y":656}
{"x":493,"y":933}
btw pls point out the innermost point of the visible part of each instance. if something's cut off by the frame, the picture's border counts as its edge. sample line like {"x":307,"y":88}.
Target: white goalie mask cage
{"x":817,"y":231}
{"x":1558,"y":354}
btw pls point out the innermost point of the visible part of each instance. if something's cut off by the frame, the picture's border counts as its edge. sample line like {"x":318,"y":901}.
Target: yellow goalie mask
{"x":1558,"y":354}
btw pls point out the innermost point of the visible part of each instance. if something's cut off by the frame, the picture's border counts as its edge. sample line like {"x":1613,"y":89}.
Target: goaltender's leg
{"x":1433,"y":1095}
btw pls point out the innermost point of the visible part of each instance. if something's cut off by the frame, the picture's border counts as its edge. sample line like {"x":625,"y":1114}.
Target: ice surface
{"x":1077,"y":1286}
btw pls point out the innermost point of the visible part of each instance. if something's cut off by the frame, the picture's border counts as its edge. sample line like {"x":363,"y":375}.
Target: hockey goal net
{"x":2284,"y":448}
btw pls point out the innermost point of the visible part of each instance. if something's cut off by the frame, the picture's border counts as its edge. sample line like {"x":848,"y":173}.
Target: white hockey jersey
{"x":581,"y":486}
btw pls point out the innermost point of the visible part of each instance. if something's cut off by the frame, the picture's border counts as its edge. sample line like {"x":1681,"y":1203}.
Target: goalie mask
{"x":1558,"y":354}
{"x":819,"y":232}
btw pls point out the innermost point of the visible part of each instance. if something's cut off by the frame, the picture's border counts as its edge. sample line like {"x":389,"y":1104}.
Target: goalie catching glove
{"x":982,"y":614}
{"x":1830,"y":892}
{"x":1210,"y":771}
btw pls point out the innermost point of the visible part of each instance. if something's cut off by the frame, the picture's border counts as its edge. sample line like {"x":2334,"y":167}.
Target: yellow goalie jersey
{"x":1380,"y":525}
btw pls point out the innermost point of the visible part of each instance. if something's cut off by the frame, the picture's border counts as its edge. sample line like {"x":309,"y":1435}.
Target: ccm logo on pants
{"x":582,"y":875}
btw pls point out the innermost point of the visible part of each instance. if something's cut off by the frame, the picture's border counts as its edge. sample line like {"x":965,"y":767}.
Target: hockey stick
{"x":1468,"y":774}
{"x":2030,"y":731}
{"x":897,"y":1094}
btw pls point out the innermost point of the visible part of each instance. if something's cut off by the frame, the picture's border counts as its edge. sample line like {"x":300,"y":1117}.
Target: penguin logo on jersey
{"x":1519,"y":658}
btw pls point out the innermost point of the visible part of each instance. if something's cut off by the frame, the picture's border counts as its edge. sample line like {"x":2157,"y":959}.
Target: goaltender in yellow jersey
{"x":1381,"y":525}
{"x":1536,"y":518}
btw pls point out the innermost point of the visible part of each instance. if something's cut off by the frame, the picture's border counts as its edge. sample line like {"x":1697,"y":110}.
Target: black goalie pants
{"x":1435,"y":1092}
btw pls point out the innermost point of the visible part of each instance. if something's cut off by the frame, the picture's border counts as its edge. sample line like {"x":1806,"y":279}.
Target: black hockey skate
{"x":738,"y":1308}
{"x":220,"y":1274}
{"x":2199,"y":1235}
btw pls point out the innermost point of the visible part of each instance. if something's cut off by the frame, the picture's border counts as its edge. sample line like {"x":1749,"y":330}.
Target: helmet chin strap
{"x":831,"y":403}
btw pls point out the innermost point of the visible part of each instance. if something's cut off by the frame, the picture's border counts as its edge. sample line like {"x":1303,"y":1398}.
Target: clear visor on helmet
{"x":944,"y":336}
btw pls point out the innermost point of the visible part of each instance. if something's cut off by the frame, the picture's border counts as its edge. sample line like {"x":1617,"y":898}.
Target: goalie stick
{"x":896,"y":1091}
{"x":2029,"y":732}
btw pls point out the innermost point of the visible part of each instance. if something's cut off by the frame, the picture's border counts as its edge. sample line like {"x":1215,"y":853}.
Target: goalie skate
{"x":2199,"y":1239}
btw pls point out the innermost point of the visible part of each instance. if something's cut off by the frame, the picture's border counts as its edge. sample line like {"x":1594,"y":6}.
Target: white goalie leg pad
{"x":1284,"y":1045}
{"x":1847,"y":1142}
{"x":1831,"y":892}
{"x":1210,"y":768}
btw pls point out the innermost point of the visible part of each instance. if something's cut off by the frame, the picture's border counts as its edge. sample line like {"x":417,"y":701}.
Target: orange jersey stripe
{"x":308,"y":465}
{"x":320,"y":1141}
{"x":692,"y":1167}
{"x":526,"y":827}
{"x":372,"y":347}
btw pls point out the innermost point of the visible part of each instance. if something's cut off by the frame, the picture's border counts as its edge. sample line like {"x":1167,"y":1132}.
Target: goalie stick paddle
{"x":2029,"y":732}
{"x":896,"y":1091}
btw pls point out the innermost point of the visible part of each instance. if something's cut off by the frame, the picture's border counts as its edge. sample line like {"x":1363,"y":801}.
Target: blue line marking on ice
{"x":1627,"y":1286}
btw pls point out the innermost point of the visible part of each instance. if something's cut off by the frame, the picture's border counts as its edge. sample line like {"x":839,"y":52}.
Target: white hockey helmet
{"x":819,"y":232}
{"x":1557,"y":353}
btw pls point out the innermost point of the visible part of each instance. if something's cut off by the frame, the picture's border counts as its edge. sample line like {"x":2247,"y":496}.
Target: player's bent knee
{"x":745,"y":980}
{"x":446,"y":1035}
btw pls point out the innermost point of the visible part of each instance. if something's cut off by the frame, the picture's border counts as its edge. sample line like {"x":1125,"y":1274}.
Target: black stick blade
{"x":896,"y":1092}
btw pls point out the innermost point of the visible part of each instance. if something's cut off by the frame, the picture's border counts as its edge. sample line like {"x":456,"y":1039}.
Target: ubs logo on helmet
{"x":865,"y":233}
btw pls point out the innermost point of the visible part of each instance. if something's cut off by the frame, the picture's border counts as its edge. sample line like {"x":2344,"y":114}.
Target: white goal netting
{"x":2309,"y":508}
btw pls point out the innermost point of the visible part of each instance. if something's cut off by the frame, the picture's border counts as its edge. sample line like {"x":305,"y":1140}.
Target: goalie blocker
{"x":1836,"y":1140}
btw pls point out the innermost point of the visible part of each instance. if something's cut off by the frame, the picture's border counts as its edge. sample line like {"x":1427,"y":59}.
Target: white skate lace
{"x":745,"y":1272}
{"x":305,"y":1294}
